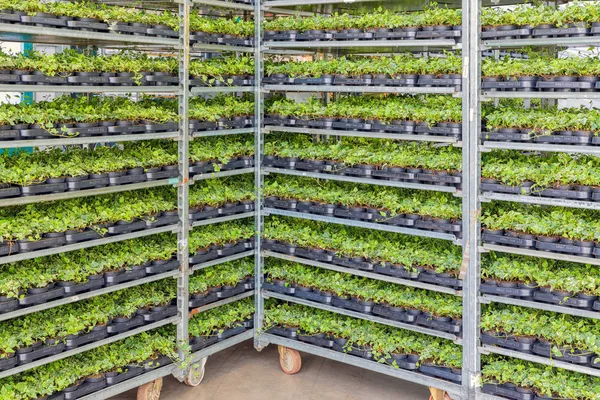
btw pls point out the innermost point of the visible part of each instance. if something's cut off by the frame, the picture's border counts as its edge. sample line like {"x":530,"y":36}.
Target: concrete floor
{"x":241,"y":373}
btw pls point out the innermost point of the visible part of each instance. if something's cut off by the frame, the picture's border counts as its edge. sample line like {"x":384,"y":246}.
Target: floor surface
{"x":241,"y":373}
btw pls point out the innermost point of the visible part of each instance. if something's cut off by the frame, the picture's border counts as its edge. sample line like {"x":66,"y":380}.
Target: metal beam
{"x":487,"y":299}
{"x":548,"y":201}
{"x":541,"y":254}
{"x":361,"y":89}
{"x":222,"y":260}
{"x":573,"y":149}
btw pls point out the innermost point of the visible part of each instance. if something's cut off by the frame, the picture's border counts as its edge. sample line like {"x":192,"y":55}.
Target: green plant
{"x":227,"y":274}
{"x":211,"y":322}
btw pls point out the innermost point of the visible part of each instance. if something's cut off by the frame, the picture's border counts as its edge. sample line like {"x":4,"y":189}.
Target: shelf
{"x":219,"y":48}
{"x":215,"y":348}
{"x":372,"y":46}
{"x":84,"y":245}
{"x":367,"y":317}
{"x":540,"y":95}
{"x":552,"y":42}
{"x":540,"y":254}
{"x":86,"y":295}
{"x":223,"y":4}
{"x":88,"y":89}
{"x":573,"y":149}
{"x":548,"y":201}
{"x":81,"y":349}
{"x":487,"y":299}
{"x":220,"y":303}
{"x":222,"y":132}
{"x":365,"y":274}
{"x":74,"y":37}
{"x":362,"y":224}
{"x":451,"y":388}
{"x":221,"y":174}
{"x":485,"y":349}
{"x":368,"y":181}
{"x":221,"y":260}
{"x":13,"y":144}
{"x":221,"y":89}
{"x":374,"y":135}
{"x":362,"y":89}
{"x":216,"y":220}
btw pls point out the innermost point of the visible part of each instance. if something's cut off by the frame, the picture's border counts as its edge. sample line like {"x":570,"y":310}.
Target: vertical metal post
{"x":183,"y":186}
{"x":258,"y":178}
{"x":471,"y":263}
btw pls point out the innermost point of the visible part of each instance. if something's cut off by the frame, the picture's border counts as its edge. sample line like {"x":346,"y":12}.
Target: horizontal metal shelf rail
{"x":451,"y":388}
{"x":366,"y":44}
{"x":222,"y":132}
{"x":111,"y":339}
{"x":362,"y":224}
{"x":541,"y":95}
{"x":88,"y":89}
{"x":365,"y":274}
{"x":13,"y":144}
{"x":219,"y":48}
{"x":485,"y":349}
{"x":487,"y":299}
{"x":541,"y":254}
{"x":367,"y":181}
{"x":211,"y":221}
{"x":87,"y":295}
{"x":221,"y":89}
{"x":414,"y":328}
{"x":364,"y":134}
{"x":221,"y":174}
{"x":220,"y":303}
{"x":542,"y":42}
{"x":533,"y":199}
{"x":224,"y":4}
{"x":215,"y":348}
{"x":487,"y":146}
{"x":222,"y":260}
{"x":361,"y":89}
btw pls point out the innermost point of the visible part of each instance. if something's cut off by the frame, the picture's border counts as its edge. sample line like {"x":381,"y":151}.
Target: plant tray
{"x":439,"y":178}
{"x":157,"y":362}
{"x":202,"y":126}
{"x":235,"y":249}
{"x":567,"y":194}
{"x":154,"y":316}
{"x":279,"y":36}
{"x":162,"y":80}
{"x":201,"y":342}
{"x":349,"y":214}
{"x":162,"y":32}
{"x":354,"y":350}
{"x":320,"y":209}
{"x":440,"y":372}
{"x":508,"y":240}
{"x":227,"y":333}
{"x":349,"y":263}
{"x":206,"y":214}
{"x":9,"y":134}
{"x":11,"y":191}
{"x":565,"y":85}
{"x":565,"y":248}
{"x":40,"y":352}
{"x":509,"y":342}
{"x":499,"y":188}
{"x":398,"y":220}
{"x":9,"y":78}
{"x":119,"y":229}
{"x":226,"y":293}
{"x":448,"y":34}
{"x":126,"y":129}
{"x":352,"y":305}
{"x":40,"y":298}
{"x":316,"y":340}
{"x":72,"y":341}
{"x":558,"y":32}
{"x":404,"y":361}
{"x":87,"y":234}
{"x":500,"y":34}
{"x":575,"y":302}
{"x":314,"y":295}
{"x":316,"y":36}
{"x":89,"y":183}
{"x":88,"y":80}
{"x":8,"y":305}
{"x":578,"y":357}
{"x":44,"y":188}
{"x":313,"y":255}
{"x":10,"y":17}
{"x":162,"y":174}
{"x":88,"y":25}
{"x":351,"y":81}
{"x":32,"y":245}
{"x":43,"y":79}
{"x":351,"y":126}
{"x":395,"y":315}
{"x":84,"y":389}
{"x":508,"y":136}
{"x":440,"y":280}
{"x":199,"y":301}
{"x":451,"y":326}
{"x":397,"y":272}
{"x":8,"y":363}
{"x":278,"y":80}
{"x":509,"y":392}
{"x":123,"y":376}
{"x":129,"y":29}
{"x":50,"y":21}
{"x":278,"y":289}
{"x":290,"y":333}
{"x":558,"y":139}
{"x":162,"y":220}
{"x":439,"y":82}
{"x":235,"y":209}
{"x":437,"y":226}
{"x":72,"y":288}
{"x":509,"y":85}
{"x":126,"y":179}
{"x":353,"y":36}
{"x":159,"y":267}
{"x":125,"y":276}
{"x":201,"y":258}
{"x":507,"y":291}
{"x":394,"y":82}
{"x":310,"y":166}
{"x":119,"y":327}
{"x":8,"y":248}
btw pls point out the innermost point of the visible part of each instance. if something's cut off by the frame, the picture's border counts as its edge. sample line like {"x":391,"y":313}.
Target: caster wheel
{"x":195,"y":374}
{"x":150,"y":390}
{"x":290,"y":360}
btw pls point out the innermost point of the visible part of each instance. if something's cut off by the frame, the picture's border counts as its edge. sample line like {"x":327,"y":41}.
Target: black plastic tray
{"x":154,"y":316}
{"x":313,"y":296}
{"x":440,"y":372}
{"x":72,"y":288}
{"x":316,"y":340}
{"x":278,"y":288}
{"x":119,"y":327}
{"x":397,"y":272}
{"x":227,"y":333}
{"x":45,"y":243}
{"x":451,"y":326}
{"x":40,"y":298}
{"x":508,"y":240}
{"x":350,"y":263}
{"x":83,"y":389}
{"x":201,"y":258}
{"x":351,"y":305}
{"x":226,"y":293}
{"x":126,"y":179}
{"x":8,"y":363}
{"x":290,"y":333}
{"x":196,"y":301}
{"x":44,"y":188}
{"x":88,"y":183}
{"x":508,"y":342}
{"x":159,"y":267}
{"x":509,"y":392}
{"x":73,"y":341}
{"x":201,"y":342}
{"x":126,"y":276}
{"x":574,"y":302}
{"x":128,"y":373}
{"x":564,"y":248}
{"x":544,"y":350}
{"x":353,"y":350}
{"x":9,"y":305}
{"x":440,"y":280}
{"x":404,"y":361}
{"x":86,"y":234}
{"x":507,"y":291}
{"x":400,"y":316}
{"x":41,"y":352}
{"x":119,"y":229}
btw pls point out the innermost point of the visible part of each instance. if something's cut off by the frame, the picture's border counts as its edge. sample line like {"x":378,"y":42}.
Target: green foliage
{"x":215,"y":192}
{"x":553,"y":274}
{"x":570,"y":223}
{"x":539,"y":14}
{"x":220,"y":106}
{"x":353,"y":66}
{"x":550,"y":381}
{"x":58,"y":375}
{"x":365,"y":289}
{"x":540,"y":65}
{"x":216,"y":320}
{"x":562,"y":330}
{"x":353,"y":151}
{"x":396,"y":201}
{"x":383,"y":340}
{"x":220,"y":68}
{"x":226,"y":274}
{"x":409,"y":251}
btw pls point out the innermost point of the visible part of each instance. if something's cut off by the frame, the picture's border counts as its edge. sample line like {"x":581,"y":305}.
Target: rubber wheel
{"x":150,"y":390}
{"x":195,"y":374}
{"x":290,"y":360}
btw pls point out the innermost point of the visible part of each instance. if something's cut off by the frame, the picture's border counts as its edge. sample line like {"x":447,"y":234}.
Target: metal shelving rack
{"x":263,"y":339}
{"x":184,"y":51}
